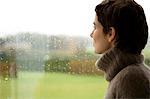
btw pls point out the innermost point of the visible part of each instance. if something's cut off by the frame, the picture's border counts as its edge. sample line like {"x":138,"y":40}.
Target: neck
{"x":114,"y":60}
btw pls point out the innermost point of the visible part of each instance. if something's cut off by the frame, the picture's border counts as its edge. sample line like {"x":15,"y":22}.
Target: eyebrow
{"x":94,"y":23}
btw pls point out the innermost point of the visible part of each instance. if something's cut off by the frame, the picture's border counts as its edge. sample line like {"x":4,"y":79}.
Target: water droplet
{"x":6,"y":78}
{"x":1,"y":58}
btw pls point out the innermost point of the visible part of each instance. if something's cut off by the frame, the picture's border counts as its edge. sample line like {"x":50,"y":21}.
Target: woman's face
{"x":100,"y":39}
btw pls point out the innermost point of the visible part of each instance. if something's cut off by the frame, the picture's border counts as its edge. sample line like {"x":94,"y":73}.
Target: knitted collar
{"x":114,"y":60}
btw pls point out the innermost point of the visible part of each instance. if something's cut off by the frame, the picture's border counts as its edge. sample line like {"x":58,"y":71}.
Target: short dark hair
{"x":128,"y":19}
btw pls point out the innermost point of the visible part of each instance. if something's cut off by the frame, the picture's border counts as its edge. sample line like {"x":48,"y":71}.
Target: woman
{"x":120,"y":34}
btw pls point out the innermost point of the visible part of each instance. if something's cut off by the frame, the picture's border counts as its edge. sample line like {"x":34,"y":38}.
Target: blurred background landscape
{"x":37,"y":66}
{"x":49,"y":55}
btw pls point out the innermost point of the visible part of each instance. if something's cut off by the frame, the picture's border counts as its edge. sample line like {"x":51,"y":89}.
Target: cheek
{"x":100,"y":44}
{"x":96,"y":36}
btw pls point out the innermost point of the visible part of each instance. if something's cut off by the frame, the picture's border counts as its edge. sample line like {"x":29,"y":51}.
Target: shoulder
{"x":134,"y":72}
{"x":132,"y":81}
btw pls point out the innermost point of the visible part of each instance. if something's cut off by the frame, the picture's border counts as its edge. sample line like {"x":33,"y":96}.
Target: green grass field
{"x":34,"y":85}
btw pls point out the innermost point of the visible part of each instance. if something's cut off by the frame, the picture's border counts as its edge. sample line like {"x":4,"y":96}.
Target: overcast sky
{"x":69,"y":17}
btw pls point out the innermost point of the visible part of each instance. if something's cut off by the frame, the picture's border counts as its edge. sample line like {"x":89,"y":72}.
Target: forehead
{"x":96,"y":19}
{"x":96,"y":22}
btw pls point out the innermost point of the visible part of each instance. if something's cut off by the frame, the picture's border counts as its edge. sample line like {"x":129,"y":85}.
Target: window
{"x":46,"y":51}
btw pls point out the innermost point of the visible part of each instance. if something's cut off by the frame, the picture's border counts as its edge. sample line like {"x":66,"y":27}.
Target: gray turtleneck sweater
{"x":128,"y":76}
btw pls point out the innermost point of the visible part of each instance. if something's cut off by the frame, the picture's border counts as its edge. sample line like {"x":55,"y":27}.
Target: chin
{"x":99,"y":52}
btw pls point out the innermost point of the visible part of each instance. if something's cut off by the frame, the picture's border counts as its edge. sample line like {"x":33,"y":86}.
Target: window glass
{"x":46,"y":51}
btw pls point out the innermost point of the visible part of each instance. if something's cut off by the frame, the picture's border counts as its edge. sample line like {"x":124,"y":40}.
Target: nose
{"x":91,"y":35}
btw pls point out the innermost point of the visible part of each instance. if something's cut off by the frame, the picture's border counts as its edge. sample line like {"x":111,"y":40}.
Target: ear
{"x":111,"y":34}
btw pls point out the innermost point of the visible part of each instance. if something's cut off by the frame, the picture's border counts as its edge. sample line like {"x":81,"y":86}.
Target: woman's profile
{"x":120,"y":34}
